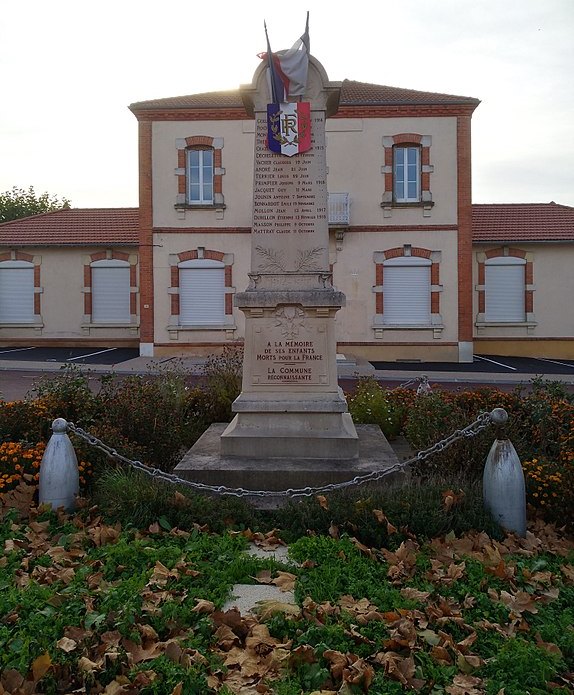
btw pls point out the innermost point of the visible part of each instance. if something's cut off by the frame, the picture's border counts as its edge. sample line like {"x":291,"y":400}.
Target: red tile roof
{"x":74,"y":227}
{"x":492,"y":223}
{"x":522,"y":222}
{"x":352,"y":93}
{"x":365,"y":94}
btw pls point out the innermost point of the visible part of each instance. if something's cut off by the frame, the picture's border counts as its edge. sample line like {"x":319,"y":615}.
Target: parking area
{"x":486,"y":363}
{"x":90,"y":355}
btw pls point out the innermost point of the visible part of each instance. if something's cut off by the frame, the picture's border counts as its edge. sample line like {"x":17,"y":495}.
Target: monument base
{"x":272,"y":425}
{"x":204,"y":463}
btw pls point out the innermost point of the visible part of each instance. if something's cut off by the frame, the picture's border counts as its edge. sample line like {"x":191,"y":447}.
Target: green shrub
{"x":151,"y":413}
{"x":223,"y":374}
{"x":24,"y":421}
{"x":137,"y":500}
{"x":414,"y":507}
{"x":67,"y":394}
{"x":434,"y":417}
{"x":370,"y":405}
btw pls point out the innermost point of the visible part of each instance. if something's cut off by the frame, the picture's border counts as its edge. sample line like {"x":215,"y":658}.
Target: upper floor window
{"x":200,"y":171}
{"x":199,"y":174}
{"x":16,"y":292}
{"x":406,"y":174}
{"x":505,"y":289}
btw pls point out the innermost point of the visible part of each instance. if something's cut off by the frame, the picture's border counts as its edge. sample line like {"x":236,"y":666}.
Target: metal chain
{"x":481,"y":423}
{"x":422,"y":381}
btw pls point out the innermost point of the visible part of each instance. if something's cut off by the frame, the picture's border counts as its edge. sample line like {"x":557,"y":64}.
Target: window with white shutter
{"x":407,"y":291}
{"x":201,"y":292}
{"x":111,"y":291}
{"x":16,"y":292}
{"x":504,"y":281}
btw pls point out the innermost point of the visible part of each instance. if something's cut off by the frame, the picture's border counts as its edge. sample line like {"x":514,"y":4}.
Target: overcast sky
{"x":69,"y":69}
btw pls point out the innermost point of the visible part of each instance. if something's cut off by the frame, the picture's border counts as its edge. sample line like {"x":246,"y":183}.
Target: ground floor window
{"x":504,"y":285}
{"x":407,"y":291}
{"x":16,"y":292}
{"x":201,"y":292}
{"x":110,"y":291}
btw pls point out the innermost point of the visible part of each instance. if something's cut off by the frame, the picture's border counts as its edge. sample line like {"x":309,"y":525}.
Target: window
{"x":406,"y":174}
{"x":201,"y":292}
{"x":16,"y":292}
{"x":110,"y":291}
{"x":200,"y":170}
{"x":407,"y":291}
{"x":199,"y":173}
{"x":504,"y":281}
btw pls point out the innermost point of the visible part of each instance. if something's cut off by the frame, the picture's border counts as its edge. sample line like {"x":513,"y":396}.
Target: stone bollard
{"x":503,"y":486}
{"x":59,"y":476}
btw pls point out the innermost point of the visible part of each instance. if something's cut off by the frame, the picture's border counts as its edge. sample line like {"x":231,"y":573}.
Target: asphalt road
{"x":91,"y":355}
{"x":492,"y":364}
{"x":17,"y":383}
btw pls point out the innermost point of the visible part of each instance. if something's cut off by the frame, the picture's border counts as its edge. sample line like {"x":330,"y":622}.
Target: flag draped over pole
{"x":288,"y":71}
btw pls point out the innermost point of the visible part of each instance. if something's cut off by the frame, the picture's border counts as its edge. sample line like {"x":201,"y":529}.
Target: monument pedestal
{"x":290,"y":404}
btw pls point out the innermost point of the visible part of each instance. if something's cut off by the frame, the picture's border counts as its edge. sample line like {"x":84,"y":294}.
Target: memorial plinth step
{"x":205,"y":464}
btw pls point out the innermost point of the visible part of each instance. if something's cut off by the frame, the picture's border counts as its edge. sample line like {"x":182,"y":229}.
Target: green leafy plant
{"x":370,"y":405}
{"x":223,"y":375}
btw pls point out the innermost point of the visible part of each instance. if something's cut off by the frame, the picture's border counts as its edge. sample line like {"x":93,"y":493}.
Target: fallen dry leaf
{"x":267,"y":609}
{"x":66,"y":644}
{"x":41,"y":665}
{"x":323,"y":503}
{"x":465,"y":685}
{"x":285,"y":581}
{"x":203,"y":606}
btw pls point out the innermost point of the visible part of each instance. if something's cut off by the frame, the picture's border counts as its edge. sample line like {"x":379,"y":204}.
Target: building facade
{"x":427,"y":275}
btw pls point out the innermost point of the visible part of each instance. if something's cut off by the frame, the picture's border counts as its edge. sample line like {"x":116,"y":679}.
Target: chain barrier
{"x":484,"y":420}
{"x":421,"y":382}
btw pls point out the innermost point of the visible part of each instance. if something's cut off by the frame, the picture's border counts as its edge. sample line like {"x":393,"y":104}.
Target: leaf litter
{"x":244,"y":653}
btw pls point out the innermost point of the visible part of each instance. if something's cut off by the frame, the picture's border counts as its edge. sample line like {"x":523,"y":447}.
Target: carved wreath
{"x":306,"y":260}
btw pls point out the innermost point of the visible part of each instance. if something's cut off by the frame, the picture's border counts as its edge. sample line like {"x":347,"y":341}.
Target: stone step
{"x":203,"y":463}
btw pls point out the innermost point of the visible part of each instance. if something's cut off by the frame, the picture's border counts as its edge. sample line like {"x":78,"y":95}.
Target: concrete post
{"x":59,"y":476}
{"x":504,"y":491}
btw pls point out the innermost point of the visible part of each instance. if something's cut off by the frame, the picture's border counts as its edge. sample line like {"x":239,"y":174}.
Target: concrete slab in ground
{"x":245,"y":597}
{"x":279,"y":554}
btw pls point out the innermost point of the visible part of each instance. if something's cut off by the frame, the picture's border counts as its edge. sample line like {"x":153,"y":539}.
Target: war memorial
{"x":291,"y":425}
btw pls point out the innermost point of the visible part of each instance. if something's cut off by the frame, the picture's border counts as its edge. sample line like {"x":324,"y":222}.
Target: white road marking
{"x":563,"y":364}
{"x":82,"y":357}
{"x":500,"y":364}
{"x":15,"y":350}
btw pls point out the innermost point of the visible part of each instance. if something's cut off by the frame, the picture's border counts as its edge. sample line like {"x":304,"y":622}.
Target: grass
{"x":94,"y":605}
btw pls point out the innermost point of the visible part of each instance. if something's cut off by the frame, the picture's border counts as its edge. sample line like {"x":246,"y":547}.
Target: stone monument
{"x":290,"y":404}
{"x":291,"y":427}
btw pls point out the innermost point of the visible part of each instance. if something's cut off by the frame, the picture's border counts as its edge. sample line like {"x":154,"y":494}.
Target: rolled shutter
{"x":16,"y":292}
{"x":504,"y":289}
{"x":406,"y":291}
{"x":201,"y":293}
{"x":111,"y":292}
